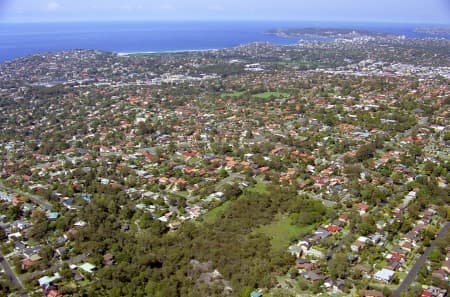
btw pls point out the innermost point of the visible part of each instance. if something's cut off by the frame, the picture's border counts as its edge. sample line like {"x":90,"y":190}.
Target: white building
{"x":384,"y":275}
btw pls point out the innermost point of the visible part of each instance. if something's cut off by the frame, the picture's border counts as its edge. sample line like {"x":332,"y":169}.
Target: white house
{"x":315,"y":253}
{"x":384,"y":275}
{"x":295,"y":250}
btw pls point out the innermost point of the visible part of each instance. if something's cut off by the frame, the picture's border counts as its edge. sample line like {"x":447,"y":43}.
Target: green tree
{"x":338,"y":265}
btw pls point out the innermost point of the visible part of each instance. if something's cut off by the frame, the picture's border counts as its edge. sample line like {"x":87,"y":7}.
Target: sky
{"x":397,"y":11}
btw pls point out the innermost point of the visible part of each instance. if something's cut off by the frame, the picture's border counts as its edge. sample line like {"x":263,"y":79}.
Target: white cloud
{"x":53,"y":5}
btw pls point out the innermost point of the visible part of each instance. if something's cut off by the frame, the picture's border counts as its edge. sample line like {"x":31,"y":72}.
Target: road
{"x":422,"y":259}
{"x":35,"y":199}
{"x":12,"y":276}
{"x":56,"y":265}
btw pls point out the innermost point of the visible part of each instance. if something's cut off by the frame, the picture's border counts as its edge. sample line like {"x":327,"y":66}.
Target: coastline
{"x":166,"y":51}
{"x":136,"y":38}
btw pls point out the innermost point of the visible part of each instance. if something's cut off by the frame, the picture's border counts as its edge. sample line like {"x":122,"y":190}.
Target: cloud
{"x":53,"y":5}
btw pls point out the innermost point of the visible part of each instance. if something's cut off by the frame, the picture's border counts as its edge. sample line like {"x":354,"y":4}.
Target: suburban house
{"x":384,"y":275}
{"x":305,"y":264}
{"x":359,"y":244}
{"x":295,"y":250}
{"x":362,"y":208}
{"x":255,"y":294}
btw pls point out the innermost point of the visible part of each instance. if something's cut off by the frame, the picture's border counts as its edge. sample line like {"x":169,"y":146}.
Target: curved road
{"x":422,"y":259}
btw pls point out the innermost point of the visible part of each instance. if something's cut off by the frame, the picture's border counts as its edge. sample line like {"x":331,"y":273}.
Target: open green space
{"x":214,"y":214}
{"x":282,"y":231}
{"x":259,"y":188}
{"x":233,"y":94}
{"x":268,"y":95}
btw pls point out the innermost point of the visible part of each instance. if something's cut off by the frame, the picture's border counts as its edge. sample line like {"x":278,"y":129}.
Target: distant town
{"x":328,"y":32}
{"x":314,"y":169}
{"x":434,"y":30}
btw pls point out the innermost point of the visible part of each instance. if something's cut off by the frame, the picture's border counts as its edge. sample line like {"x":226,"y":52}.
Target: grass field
{"x":258,"y":188}
{"x":234,"y":94}
{"x":214,"y":214}
{"x":281,"y":231}
{"x":268,"y":95}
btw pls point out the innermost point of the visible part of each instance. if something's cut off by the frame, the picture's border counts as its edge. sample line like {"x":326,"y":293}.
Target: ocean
{"x":18,"y":40}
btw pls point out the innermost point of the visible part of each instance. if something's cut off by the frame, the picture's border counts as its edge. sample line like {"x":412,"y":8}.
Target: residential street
{"x":269,"y":168}
{"x":12,"y":276}
{"x":57,"y":264}
{"x":44,"y":204}
{"x":422,"y":259}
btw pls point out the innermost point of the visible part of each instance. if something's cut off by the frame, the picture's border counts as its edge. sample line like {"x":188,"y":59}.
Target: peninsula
{"x":326,"y":32}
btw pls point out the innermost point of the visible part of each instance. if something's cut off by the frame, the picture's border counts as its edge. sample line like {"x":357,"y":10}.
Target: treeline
{"x":153,"y":262}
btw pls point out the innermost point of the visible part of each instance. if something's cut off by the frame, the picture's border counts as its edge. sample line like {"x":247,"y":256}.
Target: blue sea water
{"x":17,"y":40}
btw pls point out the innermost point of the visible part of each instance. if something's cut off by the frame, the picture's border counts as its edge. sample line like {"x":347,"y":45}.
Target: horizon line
{"x":225,"y":20}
